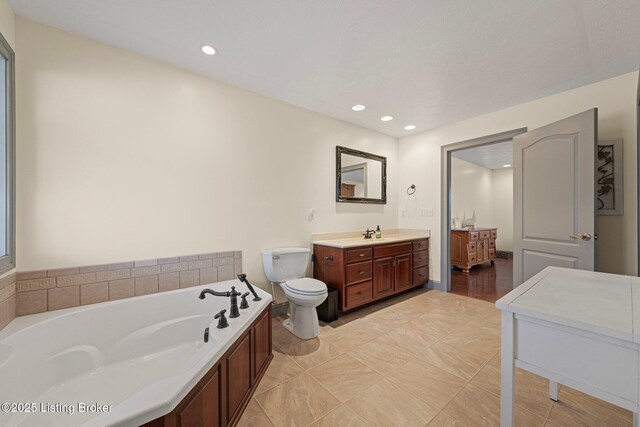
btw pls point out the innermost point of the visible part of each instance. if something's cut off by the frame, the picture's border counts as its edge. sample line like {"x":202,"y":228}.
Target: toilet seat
{"x":306,"y":286}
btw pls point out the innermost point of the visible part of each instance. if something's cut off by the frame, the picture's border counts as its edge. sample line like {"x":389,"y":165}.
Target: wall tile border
{"x":31,"y":292}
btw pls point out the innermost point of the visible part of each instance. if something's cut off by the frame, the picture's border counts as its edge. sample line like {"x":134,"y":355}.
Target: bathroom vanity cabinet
{"x":473,"y":246}
{"x":220,"y":397}
{"x":364,"y":274}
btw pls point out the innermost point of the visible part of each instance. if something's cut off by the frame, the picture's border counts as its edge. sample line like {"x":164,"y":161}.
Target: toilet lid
{"x":306,"y":286}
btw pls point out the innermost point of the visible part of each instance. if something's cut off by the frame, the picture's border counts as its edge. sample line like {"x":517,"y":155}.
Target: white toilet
{"x":287,"y":266}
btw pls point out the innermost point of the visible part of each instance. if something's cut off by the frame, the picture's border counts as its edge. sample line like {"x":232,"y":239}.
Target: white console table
{"x":577,"y":328}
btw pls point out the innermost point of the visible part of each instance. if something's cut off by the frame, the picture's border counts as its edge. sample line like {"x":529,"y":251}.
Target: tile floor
{"x":424,"y":358}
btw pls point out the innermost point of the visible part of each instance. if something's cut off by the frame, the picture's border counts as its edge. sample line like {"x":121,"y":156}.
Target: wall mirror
{"x":360,"y":177}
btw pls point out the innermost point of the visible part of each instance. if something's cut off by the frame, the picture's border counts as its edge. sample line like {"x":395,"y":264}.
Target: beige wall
{"x":471,"y":192}
{"x":122,"y":157}
{"x":487,"y":192}
{"x":502,"y":207}
{"x":8,"y":23}
{"x":616,"y":101}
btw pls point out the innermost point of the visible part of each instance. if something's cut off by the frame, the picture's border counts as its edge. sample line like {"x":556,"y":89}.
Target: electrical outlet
{"x":429,"y":212}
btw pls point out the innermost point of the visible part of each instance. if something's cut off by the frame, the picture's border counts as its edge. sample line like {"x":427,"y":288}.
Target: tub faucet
{"x":233,"y":294}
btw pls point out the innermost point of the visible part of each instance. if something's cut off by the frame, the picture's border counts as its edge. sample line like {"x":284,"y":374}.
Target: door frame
{"x":445,"y":195}
{"x":638,"y":178}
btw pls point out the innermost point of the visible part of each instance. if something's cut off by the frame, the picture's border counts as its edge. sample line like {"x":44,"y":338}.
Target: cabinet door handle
{"x":361,"y":272}
{"x":361,"y":255}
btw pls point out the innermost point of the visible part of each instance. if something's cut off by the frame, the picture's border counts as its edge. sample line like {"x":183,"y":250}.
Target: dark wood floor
{"x":487,"y":282}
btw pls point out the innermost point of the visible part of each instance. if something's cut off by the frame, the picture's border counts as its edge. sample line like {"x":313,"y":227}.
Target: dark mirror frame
{"x":344,"y":150}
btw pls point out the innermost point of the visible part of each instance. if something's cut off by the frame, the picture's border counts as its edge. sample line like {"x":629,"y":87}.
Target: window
{"x":7,"y":157}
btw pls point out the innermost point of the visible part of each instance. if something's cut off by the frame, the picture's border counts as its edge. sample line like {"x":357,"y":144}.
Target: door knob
{"x":581,"y":236}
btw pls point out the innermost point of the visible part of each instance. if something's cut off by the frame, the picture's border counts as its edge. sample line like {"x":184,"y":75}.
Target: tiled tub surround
{"x":55,"y":289}
{"x":7,"y":299}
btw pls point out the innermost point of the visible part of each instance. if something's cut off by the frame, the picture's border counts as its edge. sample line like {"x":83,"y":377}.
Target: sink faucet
{"x":233,"y":294}
{"x":368,"y":233}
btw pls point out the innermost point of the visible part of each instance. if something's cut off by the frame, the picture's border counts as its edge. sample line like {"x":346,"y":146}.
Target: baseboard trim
{"x":434,"y":284}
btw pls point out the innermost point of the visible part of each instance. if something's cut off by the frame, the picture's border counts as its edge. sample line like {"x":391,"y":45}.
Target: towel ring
{"x":411,"y":189}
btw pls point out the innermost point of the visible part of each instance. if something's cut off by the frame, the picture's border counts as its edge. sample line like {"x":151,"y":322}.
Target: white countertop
{"x":352,"y":242}
{"x":597,"y":302}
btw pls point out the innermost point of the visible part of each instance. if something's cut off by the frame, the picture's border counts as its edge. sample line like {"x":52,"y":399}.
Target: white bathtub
{"x":139,"y":355}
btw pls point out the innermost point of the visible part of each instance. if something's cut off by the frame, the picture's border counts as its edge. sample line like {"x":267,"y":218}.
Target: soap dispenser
{"x":378,"y":232}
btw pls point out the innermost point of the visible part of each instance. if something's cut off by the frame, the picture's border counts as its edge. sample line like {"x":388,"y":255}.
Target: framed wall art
{"x":609,"y":185}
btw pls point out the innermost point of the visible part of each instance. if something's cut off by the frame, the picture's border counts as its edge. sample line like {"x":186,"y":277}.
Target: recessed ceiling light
{"x":506,"y":166}
{"x":409,"y":127}
{"x":358,"y":107}
{"x":208,"y":50}
{"x":386,"y":118}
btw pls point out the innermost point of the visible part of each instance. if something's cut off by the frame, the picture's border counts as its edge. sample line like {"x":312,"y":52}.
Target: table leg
{"x":507,"y":381}
{"x":553,"y":390}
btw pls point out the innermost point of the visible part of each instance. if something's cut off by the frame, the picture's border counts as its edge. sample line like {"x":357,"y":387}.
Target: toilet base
{"x":303,"y":322}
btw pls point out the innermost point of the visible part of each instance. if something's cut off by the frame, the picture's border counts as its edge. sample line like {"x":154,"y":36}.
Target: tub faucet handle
{"x":244,"y":304}
{"x":222,"y":321}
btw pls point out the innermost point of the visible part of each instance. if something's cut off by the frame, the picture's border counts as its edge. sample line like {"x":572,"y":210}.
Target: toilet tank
{"x":282,"y":264}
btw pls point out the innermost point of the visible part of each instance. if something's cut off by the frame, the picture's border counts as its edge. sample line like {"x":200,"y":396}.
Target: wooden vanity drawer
{"x":359,"y":271}
{"x":420,"y":259}
{"x":492,"y":253}
{"x":421,"y":245}
{"x":472,"y":258}
{"x":492,"y":243}
{"x":356,"y":255}
{"x":420,"y":275}
{"x":473,"y":235}
{"x":494,"y":234}
{"x":359,"y":294}
{"x":472,"y":247}
{"x":485,"y":235}
{"x":391,"y":250}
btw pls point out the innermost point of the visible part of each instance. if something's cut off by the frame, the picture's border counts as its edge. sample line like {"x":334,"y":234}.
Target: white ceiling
{"x":493,"y":156}
{"x":426,"y":63}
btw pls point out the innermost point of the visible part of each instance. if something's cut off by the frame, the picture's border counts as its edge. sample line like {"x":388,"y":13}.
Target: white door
{"x":554,"y":196}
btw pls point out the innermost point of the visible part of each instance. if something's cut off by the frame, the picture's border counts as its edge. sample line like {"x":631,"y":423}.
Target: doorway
{"x":483,"y":279}
{"x":481,"y":255}
{"x":554,"y":196}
